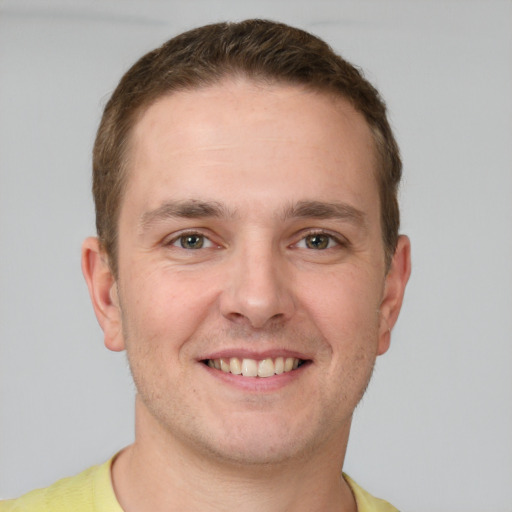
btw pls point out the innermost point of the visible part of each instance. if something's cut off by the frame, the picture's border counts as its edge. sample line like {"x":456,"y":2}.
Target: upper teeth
{"x":253,"y":367}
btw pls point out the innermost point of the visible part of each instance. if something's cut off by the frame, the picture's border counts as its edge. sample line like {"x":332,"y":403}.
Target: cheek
{"x":345,"y":306}
{"x":163,"y":307}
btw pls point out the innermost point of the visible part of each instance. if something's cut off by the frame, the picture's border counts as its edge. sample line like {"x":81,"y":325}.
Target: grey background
{"x":433,"y":433}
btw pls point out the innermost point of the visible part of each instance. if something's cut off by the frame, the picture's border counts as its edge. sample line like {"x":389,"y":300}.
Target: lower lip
{"x":257,"y":384}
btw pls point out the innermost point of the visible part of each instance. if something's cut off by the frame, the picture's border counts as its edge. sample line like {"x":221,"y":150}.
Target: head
{"x":245,"y":184}
{"x":262,"y":51}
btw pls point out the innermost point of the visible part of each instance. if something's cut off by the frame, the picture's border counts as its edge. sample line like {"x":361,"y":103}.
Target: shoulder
{"x":85,"y":492}
{"x":365,"y":501}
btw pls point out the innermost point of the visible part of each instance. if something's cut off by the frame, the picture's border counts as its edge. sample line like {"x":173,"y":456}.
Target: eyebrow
{"x":325,"y":210}
{"x":196,"y":209}
{"x":188,"y":209}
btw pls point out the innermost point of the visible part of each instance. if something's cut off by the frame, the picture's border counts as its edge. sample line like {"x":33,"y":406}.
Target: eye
{"x":318,"y":241}
{"x":192,"y":241}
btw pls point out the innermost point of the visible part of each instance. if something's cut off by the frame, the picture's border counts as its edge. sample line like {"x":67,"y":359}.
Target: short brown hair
{"x":259,"y":50}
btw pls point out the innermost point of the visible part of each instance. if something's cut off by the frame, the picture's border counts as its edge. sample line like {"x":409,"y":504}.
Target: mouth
{"x":262,"y":368}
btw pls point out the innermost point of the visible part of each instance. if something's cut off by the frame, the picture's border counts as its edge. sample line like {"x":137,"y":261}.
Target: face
{"x":252,"y":295}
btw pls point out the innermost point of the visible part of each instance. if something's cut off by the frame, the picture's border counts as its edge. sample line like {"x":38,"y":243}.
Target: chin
{"x":264,"y":442}
{"x":258,"y":451}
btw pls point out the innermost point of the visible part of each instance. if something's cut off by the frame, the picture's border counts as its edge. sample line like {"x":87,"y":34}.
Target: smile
{"x":255,"y":368}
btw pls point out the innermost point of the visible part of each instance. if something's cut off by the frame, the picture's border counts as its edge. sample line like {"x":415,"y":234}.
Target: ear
{"x":394,"y":289}
{"x":103,"y":291}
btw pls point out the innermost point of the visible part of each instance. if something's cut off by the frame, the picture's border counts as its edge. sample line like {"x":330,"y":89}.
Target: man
{"x":248,"y":260}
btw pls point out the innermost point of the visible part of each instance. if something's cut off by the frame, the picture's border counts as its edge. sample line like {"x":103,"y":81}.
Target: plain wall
{"x":433,"y":433}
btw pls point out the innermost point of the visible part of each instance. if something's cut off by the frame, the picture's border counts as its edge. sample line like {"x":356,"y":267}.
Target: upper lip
{"x":244,"y":353}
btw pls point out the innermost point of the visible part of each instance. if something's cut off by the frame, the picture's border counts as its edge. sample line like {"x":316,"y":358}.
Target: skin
{"x":258,"y":174}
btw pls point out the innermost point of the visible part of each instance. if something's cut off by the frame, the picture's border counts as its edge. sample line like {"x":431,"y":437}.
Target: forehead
{"x":252,"y":136}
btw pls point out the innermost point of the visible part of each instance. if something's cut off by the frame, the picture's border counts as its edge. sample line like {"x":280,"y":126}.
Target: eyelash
{"x":333,"y":241}
{"x":188,"y":234}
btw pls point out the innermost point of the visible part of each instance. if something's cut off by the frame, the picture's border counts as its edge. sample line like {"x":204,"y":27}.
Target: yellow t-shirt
{"x":89,"y":491}
{"x":92,"y":491}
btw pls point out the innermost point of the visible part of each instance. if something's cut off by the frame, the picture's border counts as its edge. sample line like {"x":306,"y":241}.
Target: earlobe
{"x":103,"y":292}
{"x":394,"y":290}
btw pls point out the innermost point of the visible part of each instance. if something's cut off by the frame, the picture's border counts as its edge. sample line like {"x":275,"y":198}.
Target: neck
{"x":160,"y":473}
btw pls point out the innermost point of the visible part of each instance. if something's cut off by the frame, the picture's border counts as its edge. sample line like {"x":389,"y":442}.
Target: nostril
{"x":237,"y":317}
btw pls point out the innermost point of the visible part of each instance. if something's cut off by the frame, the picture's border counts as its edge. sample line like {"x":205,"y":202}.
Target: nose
{"x":258,"y":289}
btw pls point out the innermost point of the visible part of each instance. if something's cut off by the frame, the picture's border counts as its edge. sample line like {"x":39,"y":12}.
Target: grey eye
{"x":191,"y":241}
{"x":317,"y":241}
